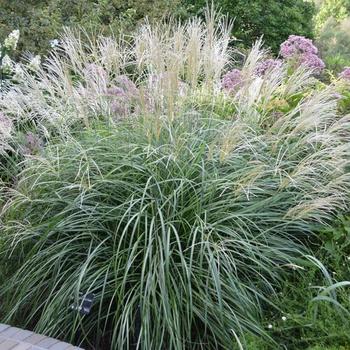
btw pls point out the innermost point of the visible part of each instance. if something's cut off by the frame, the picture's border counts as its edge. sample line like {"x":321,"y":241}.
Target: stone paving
{"x":12,"y":338}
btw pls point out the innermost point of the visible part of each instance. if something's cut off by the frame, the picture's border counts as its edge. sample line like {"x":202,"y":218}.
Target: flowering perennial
{"x":11,"y":41}
{"x":345,"y":74}
{"x":54,"y":43}
{"x":312,"y":61}
{"x":266,"y":66}
{"x":303,"y":51}
{"x":32,"y":144}
{"x":232,"y":80}
{"x":297,"y":45}
{"x":18,"y":73}
{"x":122,"y":95}
{"x":6,"y":64}
{"x":35,"y":62}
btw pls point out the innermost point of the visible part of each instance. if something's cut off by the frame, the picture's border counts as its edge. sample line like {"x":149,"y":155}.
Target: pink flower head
{"x":120,"y":108}
{"x":296,"y":45}
{"x":120,"y":101}
{"x":232,"y":80}
{"x":124,"y":88}
{"x":123,"y":95}
{"x":345,"y":74}
{"x":313,"y":62}
{"x":127,"y":85}
{"x":266,"y":66}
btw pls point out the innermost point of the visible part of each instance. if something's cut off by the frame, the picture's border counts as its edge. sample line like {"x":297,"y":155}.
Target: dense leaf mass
{"x":274,"y":20}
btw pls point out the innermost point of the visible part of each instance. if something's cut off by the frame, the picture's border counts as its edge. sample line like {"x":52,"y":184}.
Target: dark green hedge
{"x":274,"y":19}
{"x":42,"y":20}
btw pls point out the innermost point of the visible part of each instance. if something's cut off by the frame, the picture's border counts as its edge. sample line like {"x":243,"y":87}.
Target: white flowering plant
{"x":9,"y":69}
{"x":9,"y":45}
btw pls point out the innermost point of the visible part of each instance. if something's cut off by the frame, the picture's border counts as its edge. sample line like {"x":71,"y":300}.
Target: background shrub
{"x":42,"y":21}
{"x":332,"y":25}
{"x":336,"y":9}
{"x":275,"y":20}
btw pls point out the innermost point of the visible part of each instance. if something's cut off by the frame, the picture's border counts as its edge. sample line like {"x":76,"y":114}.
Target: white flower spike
{"x":7,"y":64}
{"x":11,"y":41}
{"x":35,"y":62}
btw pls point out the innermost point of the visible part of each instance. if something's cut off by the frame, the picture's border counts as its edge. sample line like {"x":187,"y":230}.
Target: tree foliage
{"x":334,"y":44}
{"x":337,"y":9}
{"x":42,"y":20}
{"x":275,"y":20}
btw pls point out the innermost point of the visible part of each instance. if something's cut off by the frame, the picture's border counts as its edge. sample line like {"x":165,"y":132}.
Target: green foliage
{"x":275,"y":20}
{"x":336,"y":244}
{"x":334,"y":44}
{"x":344,"y":102}
{"x":343,"y":90}
{"x":42,"y":21}
{"x":38,"y":22}
{"x":140,"y":222}
{"x":173,"y":199}
{"x":336,"y":9}
{"x":155,"y":216}
{"x":310,"y":324}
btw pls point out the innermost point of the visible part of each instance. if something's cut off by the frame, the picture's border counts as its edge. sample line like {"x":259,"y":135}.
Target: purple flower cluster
{"x":266,"y":66}
{"x":303,"y":51}
{"x":313,"y":62}
{"x":127,"y":85}
{"x":232,"y":80}
{"x":122,"y":95}
{"x":345,"y":74}
{"x":297,"y":45}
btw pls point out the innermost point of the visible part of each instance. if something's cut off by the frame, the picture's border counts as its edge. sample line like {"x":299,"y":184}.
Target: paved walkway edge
{"x":13,"y":338}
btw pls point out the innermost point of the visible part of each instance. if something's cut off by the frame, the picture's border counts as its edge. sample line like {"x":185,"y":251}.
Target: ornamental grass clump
{"x":87,"y":79}
{"x":192,"y":228}
{"x":182,"y":222}
{"x":189,"y":227}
